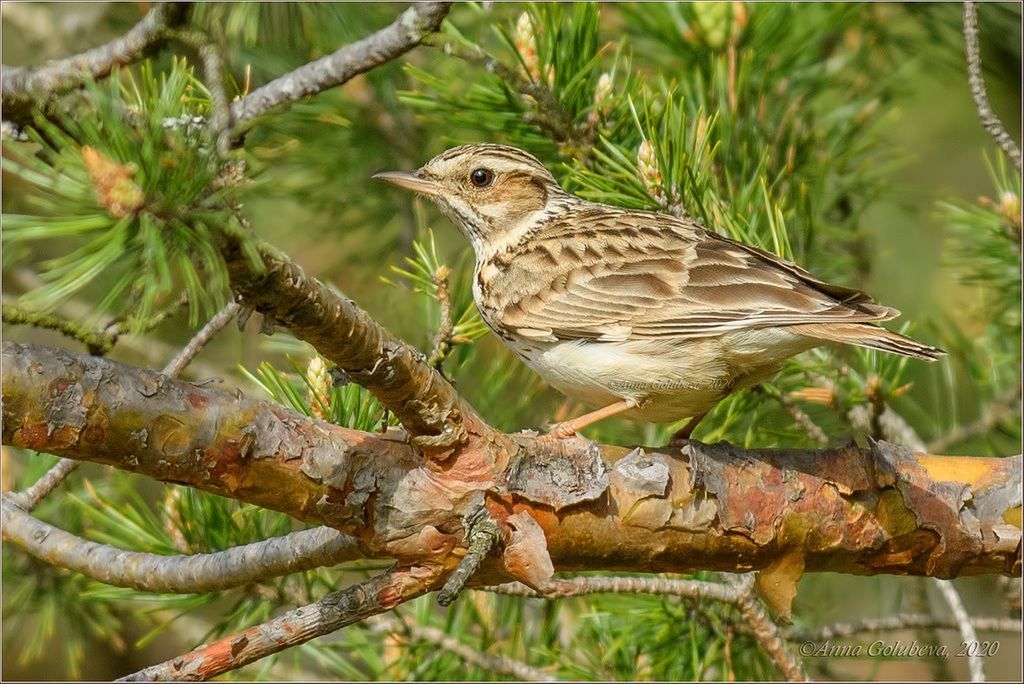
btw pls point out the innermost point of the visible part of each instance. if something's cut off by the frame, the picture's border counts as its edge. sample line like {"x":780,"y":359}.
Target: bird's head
{"x":493,"y":193}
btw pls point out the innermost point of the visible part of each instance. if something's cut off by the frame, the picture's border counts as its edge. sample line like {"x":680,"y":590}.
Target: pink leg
{"x":569,"y":428}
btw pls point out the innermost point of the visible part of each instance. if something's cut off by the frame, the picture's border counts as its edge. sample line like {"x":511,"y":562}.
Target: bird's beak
{"x":410,"y":181}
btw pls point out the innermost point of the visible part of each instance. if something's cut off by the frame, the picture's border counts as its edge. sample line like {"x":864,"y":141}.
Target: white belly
{"x":667,"y":382}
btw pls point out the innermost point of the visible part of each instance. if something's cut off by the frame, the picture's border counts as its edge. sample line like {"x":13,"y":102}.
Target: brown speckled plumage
{"x":645,"y":309}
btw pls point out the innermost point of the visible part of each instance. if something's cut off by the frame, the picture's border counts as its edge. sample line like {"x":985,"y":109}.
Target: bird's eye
{"x":481,"y":178}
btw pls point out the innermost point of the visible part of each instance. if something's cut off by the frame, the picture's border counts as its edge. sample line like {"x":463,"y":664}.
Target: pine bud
{"x":1010,"y":208}
{"x":319,"y":384}
{"x":173,"y":521}
{"x":603,"y":92}
{"x":526,"y":44}
{"x":113,"y":183}
{"x":602,"y":98}
{"x":650,"y":172}
{"x":720,"y":22}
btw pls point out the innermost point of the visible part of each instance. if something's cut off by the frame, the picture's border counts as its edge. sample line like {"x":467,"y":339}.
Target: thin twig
{"x":767,"y":633}
{"x":802,"y":419}
{"x":892,"y":427}
{"x":988,"y":118}
{"x":967,"y":634}
{"x":219,"y":123}
{"x":443,"y":340}
{"x":738,"y":593}
{"x":30,"y":497}
{"x":1001,"y":409}
{"x":916,"y":600}
{"x":191,"y":574}
{"x":486,"y":661}
{"x":405,"y":33}
{"x":483,"y":535}
{"x":581,"y":586}
{"x":98,"y":343}
{"x":900,"y":622}
{"x":63,"y":74}
{"x":199,"y":340}
{"x":552,"y":119}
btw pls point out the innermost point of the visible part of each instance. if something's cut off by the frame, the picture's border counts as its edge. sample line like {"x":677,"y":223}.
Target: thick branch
{"x":334,"y":611}
{"x":559,"y":504}
{"x":91,"y":408}
{"x":366,"y":485}
{"x":196,"y":574}
{"x":395,"y":373}
{"x":335,"y":69}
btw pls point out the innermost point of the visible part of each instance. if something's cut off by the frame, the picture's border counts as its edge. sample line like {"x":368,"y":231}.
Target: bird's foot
{"x":569,"y":428}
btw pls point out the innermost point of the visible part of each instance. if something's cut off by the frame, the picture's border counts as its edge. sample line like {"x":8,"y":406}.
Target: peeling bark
{"x":341,"y":332}
{"x":561,"y":505}
{"x":334,"y":611}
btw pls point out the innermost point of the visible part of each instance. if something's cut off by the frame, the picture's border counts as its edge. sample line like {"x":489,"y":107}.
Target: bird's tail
{"x":871,"y":336}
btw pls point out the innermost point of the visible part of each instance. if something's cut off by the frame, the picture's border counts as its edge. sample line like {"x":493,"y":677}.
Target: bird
{"x":641,"y":314}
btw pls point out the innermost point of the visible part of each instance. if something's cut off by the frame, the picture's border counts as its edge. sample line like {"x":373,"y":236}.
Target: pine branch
{"x":1002,"y":409}
{"x":737,"y":593}
{"x":963,"y":623}
{"x":398,"y":375}
{"x":917,"y":601}
{"x":331,"y":613}
{"x":195,"y":574}
{"x":900,"y":622}
{"x":215,"y":69}
{"x":886,"y":424}
{"x":799,"y":416}
{"x":250,"y":450}
{"x":23,"y":86}
{"x":199,"y":340}
{"x":655,"y":586}
{"x":149,"y":350}
{"x":98,"y":343}
{"x":30,"y":497}
{"x":976,"y":81}
{"x":443,"y":338}
{"x":405,"y":33}
{"x":34,"y":494}
{"x":767,"y":633}
{"x":501,"y":665}
{"x":482,"y":536}
{"x":26,"y":88}
{"x":579,"y":506}
{"x":551,"y":117}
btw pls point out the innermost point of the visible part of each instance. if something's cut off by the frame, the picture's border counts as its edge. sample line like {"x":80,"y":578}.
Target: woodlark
{"x":641,"y":314}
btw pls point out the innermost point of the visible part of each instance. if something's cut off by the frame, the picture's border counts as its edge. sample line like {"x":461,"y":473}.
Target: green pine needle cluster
{"x":129,"y":187}
{"x":313,"y":392}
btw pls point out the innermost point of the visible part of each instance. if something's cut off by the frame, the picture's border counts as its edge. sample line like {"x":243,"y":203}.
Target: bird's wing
{"x":611,"y":274}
